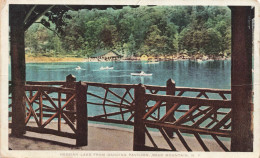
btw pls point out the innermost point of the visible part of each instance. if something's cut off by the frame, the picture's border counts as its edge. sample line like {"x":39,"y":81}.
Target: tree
{"x":129,"y":29}
{"x":155,"y":42}
{"x":214,"y":44}
{"x":129,"y":47}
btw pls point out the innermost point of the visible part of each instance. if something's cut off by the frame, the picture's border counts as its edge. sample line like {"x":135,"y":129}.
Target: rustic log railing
{"x":46,"y":102}
{"x":165,"y":108}
{"x":114,"y":103}
{"x":199,"y":117}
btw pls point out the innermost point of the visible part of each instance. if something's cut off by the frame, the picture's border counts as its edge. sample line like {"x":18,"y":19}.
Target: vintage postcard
{"x":129,"y":79}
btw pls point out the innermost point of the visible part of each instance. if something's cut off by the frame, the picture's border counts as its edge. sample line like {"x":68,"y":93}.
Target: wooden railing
{"x":166,"y":108}
{"x":198,"y":117}
{"x":113,"y":103}
{"x":48,"y":102}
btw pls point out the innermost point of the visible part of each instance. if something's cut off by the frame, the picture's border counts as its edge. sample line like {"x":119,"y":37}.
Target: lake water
{"x":207,"y":74}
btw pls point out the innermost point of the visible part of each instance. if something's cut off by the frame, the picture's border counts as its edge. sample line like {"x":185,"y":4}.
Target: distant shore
{"x":43,"y":59}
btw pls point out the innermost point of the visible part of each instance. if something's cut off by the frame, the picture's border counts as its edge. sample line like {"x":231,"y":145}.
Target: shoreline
{"x":30,"y":59}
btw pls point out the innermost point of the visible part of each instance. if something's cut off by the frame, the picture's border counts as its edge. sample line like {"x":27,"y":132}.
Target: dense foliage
{"x":160,"y":30}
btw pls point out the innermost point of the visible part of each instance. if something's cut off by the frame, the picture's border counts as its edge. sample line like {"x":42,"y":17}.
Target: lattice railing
{"x":220,"y":94}
{"x":47,"y":105}
{"x":110,"y":102}
{"x":114,"y":103}
{"x":208,"y":121}
{"x":204,"y":114}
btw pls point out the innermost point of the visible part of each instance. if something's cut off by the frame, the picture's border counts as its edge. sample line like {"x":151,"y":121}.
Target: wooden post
{"x":17,"y":15}
{"x":82,"y":117}
{"x":40,"y":108}
{"x":70,"y":79}
{"x":59,"y":115}
{"x":139,"y":128}
{"x":170,"y":90}
{"x":241,"y":79}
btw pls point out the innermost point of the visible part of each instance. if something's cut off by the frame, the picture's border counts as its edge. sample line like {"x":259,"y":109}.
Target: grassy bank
{"x":43,"y":59}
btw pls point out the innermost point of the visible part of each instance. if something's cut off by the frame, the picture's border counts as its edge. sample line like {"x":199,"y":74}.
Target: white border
{"x":4,"y":57}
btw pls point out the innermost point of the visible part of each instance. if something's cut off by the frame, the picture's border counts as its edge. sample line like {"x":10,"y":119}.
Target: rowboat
{"x":152,"y":62}
{"x":78,"y":68}
{"x":141,"y":74}
{"x":199,"y":60}
{"x":106,"y":68}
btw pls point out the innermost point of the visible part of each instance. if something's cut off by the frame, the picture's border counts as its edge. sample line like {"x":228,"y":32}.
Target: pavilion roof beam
{"x":70,"y":8}
{"x":29,"y":13}
{"x":33,"y":19}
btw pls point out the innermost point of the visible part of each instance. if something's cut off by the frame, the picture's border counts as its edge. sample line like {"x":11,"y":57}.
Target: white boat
{"x":152,"y":62}
{"x":78,"y":68}
{"x":199,"y":60}
{"x":141,"y":74}
{"x":106,"y":68}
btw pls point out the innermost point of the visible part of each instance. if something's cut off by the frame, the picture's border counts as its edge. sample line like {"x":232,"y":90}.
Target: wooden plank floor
{"x":102,"y":138}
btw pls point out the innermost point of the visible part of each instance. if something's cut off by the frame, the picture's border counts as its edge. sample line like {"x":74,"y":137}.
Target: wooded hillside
{"x":159,"y":30}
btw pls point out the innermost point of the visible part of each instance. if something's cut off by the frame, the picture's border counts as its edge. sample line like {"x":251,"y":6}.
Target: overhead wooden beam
{"x":241,"y":79}
{"x":29,"y":13}
{"x":31,"y":20}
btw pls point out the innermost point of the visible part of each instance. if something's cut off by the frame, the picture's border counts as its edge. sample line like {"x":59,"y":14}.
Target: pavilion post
{"x":241,"y":79}
{"x":139,"y":127}
{"x":81,"y":114}
{"x":16,"y":21}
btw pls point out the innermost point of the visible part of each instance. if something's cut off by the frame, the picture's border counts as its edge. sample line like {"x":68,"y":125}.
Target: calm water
{"x":207,"y":74}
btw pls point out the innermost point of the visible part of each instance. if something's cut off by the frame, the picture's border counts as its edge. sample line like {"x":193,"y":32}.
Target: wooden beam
{"x":31,"y":20}
{"x":187,"y":129}
{"x":29,"y":13}
{"x":241,"y":79}
{"x":170,"y":90}
{"x":190,"y":101}
{"x":81,"y":116}
{"x":17,"y":68}
{"x":70,"y":79}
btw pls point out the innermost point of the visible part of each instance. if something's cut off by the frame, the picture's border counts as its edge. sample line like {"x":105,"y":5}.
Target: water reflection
{"x":210,"y":74}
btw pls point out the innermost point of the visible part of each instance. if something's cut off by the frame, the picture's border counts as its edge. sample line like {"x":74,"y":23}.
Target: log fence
{"x":164,"y":108}
{"x":47,"y":102}
{"x":199,"y":117}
